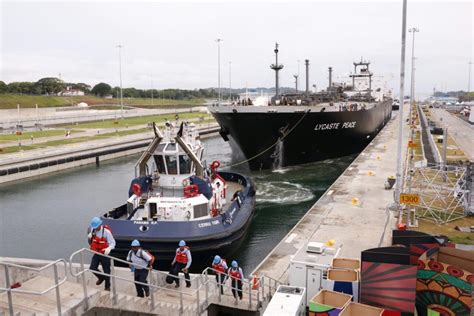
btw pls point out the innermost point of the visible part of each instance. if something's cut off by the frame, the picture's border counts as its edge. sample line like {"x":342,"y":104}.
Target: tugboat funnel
{"x":141,"y":163}
{"x":190,"y":153}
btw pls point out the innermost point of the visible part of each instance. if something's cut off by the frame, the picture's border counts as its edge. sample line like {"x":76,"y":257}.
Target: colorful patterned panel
{"x":324,"y":310}
{"x":443,"y":289}
{"x":388,"y":285}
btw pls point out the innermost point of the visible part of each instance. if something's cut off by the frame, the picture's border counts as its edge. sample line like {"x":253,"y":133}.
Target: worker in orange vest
{"x":101,"y":240}
{"x":181,"y":262}
{"x":219,"y":267}
{"x":237,"y":276}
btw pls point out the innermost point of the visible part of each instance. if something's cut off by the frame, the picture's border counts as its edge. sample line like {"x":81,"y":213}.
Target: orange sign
{"x":412,"y":199}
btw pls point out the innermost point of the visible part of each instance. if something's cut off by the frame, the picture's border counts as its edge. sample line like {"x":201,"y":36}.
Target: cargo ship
{"x":298,"y":128}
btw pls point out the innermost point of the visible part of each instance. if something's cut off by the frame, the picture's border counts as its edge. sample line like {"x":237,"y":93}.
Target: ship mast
{"x":277,"y":67}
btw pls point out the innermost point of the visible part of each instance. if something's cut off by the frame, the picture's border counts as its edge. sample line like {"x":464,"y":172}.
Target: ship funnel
{"x":277,"y":67}
{"x":330,"y":79}
{"x":306,"y":63}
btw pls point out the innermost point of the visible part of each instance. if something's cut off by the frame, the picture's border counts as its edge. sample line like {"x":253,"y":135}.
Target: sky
{"x":171,"y":44}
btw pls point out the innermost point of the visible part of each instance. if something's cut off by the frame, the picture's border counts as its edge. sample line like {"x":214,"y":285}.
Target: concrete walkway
{"x":353,"y":211}
{"x":461,"y":131}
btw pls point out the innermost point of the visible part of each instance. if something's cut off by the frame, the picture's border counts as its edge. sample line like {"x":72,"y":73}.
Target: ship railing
{"x":153,"y":288}
{"x":14,"y":288}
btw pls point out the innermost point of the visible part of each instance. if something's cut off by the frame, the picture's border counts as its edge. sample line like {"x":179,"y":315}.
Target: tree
{"x":49,"y":85}
{"x":101,"y":89}
{"x":3,"y":87}
{"x":81,"y":86}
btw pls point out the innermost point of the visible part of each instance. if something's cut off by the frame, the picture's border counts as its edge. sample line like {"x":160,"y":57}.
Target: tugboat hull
{"x":207,"y":237}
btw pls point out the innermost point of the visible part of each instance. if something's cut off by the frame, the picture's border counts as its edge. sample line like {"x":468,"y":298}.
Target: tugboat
{"x":174,"y":197}
{"x":301,"y":128}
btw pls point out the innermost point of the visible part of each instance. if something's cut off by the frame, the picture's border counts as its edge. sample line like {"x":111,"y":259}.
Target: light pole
{"x":296,"y":82}
{"x":219,"y":40}
{"x":230,"y":81}
{"x":413,"y":30}
{"x":469,"y":78}
{"x":120,"y":69}
{"x":399,"y":181}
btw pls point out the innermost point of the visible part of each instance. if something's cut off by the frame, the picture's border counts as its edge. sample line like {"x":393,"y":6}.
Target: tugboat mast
{"x":277,"y":67}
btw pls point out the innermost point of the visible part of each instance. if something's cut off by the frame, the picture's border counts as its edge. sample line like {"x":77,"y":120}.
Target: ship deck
{"x":321,"y":107}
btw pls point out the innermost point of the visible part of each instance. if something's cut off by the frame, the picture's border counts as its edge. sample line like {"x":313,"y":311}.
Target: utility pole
{"x":120,"y":69}
{"x":399,"y":183}
{"x":296,"y":82}
{"x":219,"y":40}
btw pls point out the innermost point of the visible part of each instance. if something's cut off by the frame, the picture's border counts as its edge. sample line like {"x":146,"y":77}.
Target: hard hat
{"x":234,"y":264}
{"x":135,"y":243}
{"x":182,"y":243}
{"x":95,"y":222}
{"x":217,"y":259}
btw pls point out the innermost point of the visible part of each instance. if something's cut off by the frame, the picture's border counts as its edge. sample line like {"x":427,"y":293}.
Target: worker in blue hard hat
{"x":181,"y":262}
{"x":237,"y":276}
{"x":219,"y":267}
{"x":141,"y":260}
{"x":102,"y":241}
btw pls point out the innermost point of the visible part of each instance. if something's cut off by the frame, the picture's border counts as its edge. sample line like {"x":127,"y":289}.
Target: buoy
{"x":402,"y":226}
{"x":355,"y":201}
{"x":255,"y":282}
{"x":330,"y":242}
{"x":371,"y":173}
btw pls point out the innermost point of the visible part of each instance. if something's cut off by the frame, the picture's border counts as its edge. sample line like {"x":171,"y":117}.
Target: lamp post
{"x":469,"y":78}
{"x":219,"y":40}
{"x":230,"y":81}
{"x":399,"y":181}
{"x":120,"y":70}
{"x":413,"y":30}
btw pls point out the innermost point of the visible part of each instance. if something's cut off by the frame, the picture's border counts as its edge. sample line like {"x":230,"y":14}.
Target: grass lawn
{"x":10,"y":101}
{"x":35,"y":134}
{"x":448,"y":230}
{"x":119,"y":123}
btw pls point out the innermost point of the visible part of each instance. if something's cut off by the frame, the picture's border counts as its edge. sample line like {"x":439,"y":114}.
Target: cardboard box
{"x":328,"y":302}
{"x":343,"y":281}
{"x":345,"y":263}
{"x":357,"y":309}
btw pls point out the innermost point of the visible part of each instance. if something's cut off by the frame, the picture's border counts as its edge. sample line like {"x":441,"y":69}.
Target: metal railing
{"x":113,"y":278}
{"x":57,"y":282}
{"x":264,"y":286}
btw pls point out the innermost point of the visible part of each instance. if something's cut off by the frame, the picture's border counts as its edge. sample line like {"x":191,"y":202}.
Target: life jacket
{"x":219,"y":266}
{"x":182,"y":256}
{"x":235,"y":273}
{"x":100,"y":243}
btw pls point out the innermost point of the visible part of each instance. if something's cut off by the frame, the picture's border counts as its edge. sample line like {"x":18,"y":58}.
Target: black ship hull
{"x":279,"y":136}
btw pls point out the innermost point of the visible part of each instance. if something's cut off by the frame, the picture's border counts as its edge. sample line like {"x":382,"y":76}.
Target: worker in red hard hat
{"x":102,"y":241}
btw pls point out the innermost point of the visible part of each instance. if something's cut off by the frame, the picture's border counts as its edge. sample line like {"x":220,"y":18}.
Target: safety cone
{"x":255,"y":282}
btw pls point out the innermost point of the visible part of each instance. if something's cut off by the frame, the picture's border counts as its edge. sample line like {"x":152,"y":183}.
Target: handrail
{"x":56,"y":285}
{"x":114,"y":277}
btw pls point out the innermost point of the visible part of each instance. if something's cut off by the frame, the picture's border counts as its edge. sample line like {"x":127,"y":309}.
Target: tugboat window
{"x":172,"y":164}
{"x":171,"y":147}
{"x":153,"y":210}
{"x":160,"y":163}
{"x":161,"y":147}
{"x":184,"y":164}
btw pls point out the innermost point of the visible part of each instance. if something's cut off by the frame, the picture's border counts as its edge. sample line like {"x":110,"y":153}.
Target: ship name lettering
{"x":348,"y":124}
{"x":326,"y":126}
{"x":202,"y":225}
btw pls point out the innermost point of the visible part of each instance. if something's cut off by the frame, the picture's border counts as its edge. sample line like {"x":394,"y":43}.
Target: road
{"x":461,"y":131}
